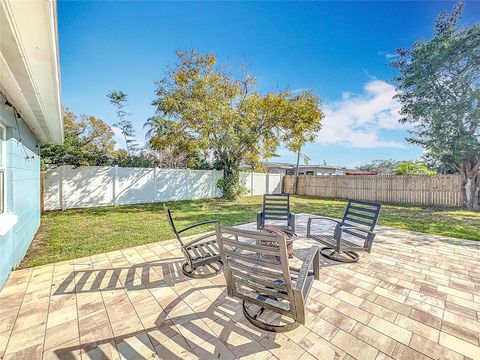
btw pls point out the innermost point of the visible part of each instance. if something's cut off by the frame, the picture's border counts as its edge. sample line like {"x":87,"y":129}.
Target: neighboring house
{"x":289,"y":169}
{"x":30,"y":114}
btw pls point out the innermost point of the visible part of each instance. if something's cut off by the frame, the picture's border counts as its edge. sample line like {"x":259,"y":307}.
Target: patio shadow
{"x":219,"y":331}
{"x":139,"y":276}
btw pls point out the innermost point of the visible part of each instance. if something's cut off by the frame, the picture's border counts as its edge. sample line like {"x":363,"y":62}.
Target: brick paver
{"x":415,"y":297}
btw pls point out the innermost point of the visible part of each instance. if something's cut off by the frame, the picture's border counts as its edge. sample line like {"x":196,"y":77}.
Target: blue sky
{"x":338,"y":49}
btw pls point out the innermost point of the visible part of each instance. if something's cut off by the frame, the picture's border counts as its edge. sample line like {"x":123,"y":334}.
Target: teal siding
{"x":23,"y":193}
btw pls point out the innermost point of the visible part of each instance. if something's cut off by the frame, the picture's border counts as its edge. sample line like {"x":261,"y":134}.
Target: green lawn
{"x":77,"y":233}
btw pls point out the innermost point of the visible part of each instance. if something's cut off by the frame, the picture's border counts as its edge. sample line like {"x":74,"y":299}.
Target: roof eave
{"x":29,"y":65}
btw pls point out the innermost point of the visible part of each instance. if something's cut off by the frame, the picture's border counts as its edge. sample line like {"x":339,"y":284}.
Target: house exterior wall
{"x":276,"y":170}
{"x":303,"y":170}
{"x":21,"y":218}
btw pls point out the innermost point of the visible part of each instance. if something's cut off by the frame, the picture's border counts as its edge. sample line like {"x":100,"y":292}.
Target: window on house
{"x":310,"y":173}
{"x":3,"y":135}
{"x":289,"y":172}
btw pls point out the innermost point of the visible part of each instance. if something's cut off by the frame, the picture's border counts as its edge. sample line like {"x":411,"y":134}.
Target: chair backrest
{"x":255,"y":271}
{"x":168,"y":214}
{"x":362,"y":214}
{"x":276,"y":206}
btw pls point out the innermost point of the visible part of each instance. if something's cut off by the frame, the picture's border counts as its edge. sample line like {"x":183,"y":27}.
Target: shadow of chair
{"x":165,"y":271}
{"x":219,"y":321}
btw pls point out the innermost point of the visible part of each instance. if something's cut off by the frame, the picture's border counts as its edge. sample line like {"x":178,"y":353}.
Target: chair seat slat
{"x":261,"y":289}
{"x":267,"y":303}
{"x":265,"y":281}
{"x":202,"y":250}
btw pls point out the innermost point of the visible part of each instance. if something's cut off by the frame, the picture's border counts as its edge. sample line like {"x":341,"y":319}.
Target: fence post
{"x":213,"y":176}
{"x":154,"y":197}
{"x":63,"y":170}
{"x":114,"y":187}
{"x":251,"y":184}
{"x":186,"y":184}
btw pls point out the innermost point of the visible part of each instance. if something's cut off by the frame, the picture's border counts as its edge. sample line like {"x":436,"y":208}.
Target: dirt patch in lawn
{"x":38,"y":247}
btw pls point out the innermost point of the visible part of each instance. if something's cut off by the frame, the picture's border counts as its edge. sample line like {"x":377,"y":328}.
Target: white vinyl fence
{"x":260,"y":183}
{"x":66,"y":187}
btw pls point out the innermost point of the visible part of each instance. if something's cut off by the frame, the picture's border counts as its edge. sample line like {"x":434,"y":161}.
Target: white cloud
{"x":357,"y":119}
{"x":387,"y":55}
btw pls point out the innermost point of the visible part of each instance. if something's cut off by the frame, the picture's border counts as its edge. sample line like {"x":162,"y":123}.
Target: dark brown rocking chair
{"x":273,"y":293}
{"x":359,"y":222}
{"x":201,"y":254}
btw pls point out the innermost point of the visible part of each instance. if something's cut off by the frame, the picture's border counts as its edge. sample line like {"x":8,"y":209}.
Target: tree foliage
{"x":201,"y":106}
{"x":173,"y":147}
{"x":440,"y":95}
{"x":119,"y":100}
{"x":413,"y":168}
{"x":398,"y":167}
{"x":88,"y":141}
{"x":381,"y":167}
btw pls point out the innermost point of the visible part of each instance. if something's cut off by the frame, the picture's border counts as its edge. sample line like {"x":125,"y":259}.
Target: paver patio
{"x":417,"y":296}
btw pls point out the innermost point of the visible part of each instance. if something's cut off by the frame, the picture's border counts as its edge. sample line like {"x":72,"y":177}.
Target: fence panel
{"x":52,"y":189}
{"x":442,"y":190}
{"x":171,"y":184}
{"x":274,"y":183}
{"x":87,"y":187}
{"x":134,"y":185}
{"x":66,"y":187}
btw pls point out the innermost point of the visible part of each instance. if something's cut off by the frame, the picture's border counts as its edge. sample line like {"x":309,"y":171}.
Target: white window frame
{"x":3,"y":168}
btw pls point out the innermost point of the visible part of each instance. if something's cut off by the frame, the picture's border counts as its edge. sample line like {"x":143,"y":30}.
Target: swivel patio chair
{"x":359,"y":221}
{"x":201,"y":253}
{"x":276,"y":207}
{"x":273,"y":293}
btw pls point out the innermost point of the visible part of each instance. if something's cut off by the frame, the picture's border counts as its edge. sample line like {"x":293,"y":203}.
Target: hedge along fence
{"x":443,"y":190}
{"x":66,"y":187}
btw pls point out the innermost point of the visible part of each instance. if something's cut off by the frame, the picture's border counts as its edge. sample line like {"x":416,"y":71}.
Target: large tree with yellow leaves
{"x":200,"y":105}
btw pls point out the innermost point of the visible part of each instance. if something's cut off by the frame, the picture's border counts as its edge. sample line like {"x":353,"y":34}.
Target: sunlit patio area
{"x":416,"y":296}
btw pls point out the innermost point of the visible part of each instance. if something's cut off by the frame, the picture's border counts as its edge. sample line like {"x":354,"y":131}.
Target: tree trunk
{"x":471,"y":185}
{"x":231,"y":178}
{"x":295,"y":190}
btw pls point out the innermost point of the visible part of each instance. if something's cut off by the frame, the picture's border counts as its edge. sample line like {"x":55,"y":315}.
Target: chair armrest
{"x":309,"y":223}
{"x":260,"y":221}
{"x":198,"y":224}
{"x":313,"y":256}
{"x":323,"y":218}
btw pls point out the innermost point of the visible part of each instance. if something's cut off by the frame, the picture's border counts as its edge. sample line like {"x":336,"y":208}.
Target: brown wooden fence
{"x":444,"y":190}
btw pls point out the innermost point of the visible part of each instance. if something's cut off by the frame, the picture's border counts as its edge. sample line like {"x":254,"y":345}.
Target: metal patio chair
{"x":273,"y":293}
{"x":201,"y":254}
{"x":359,"y":221}
{"x":276,"y":207}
